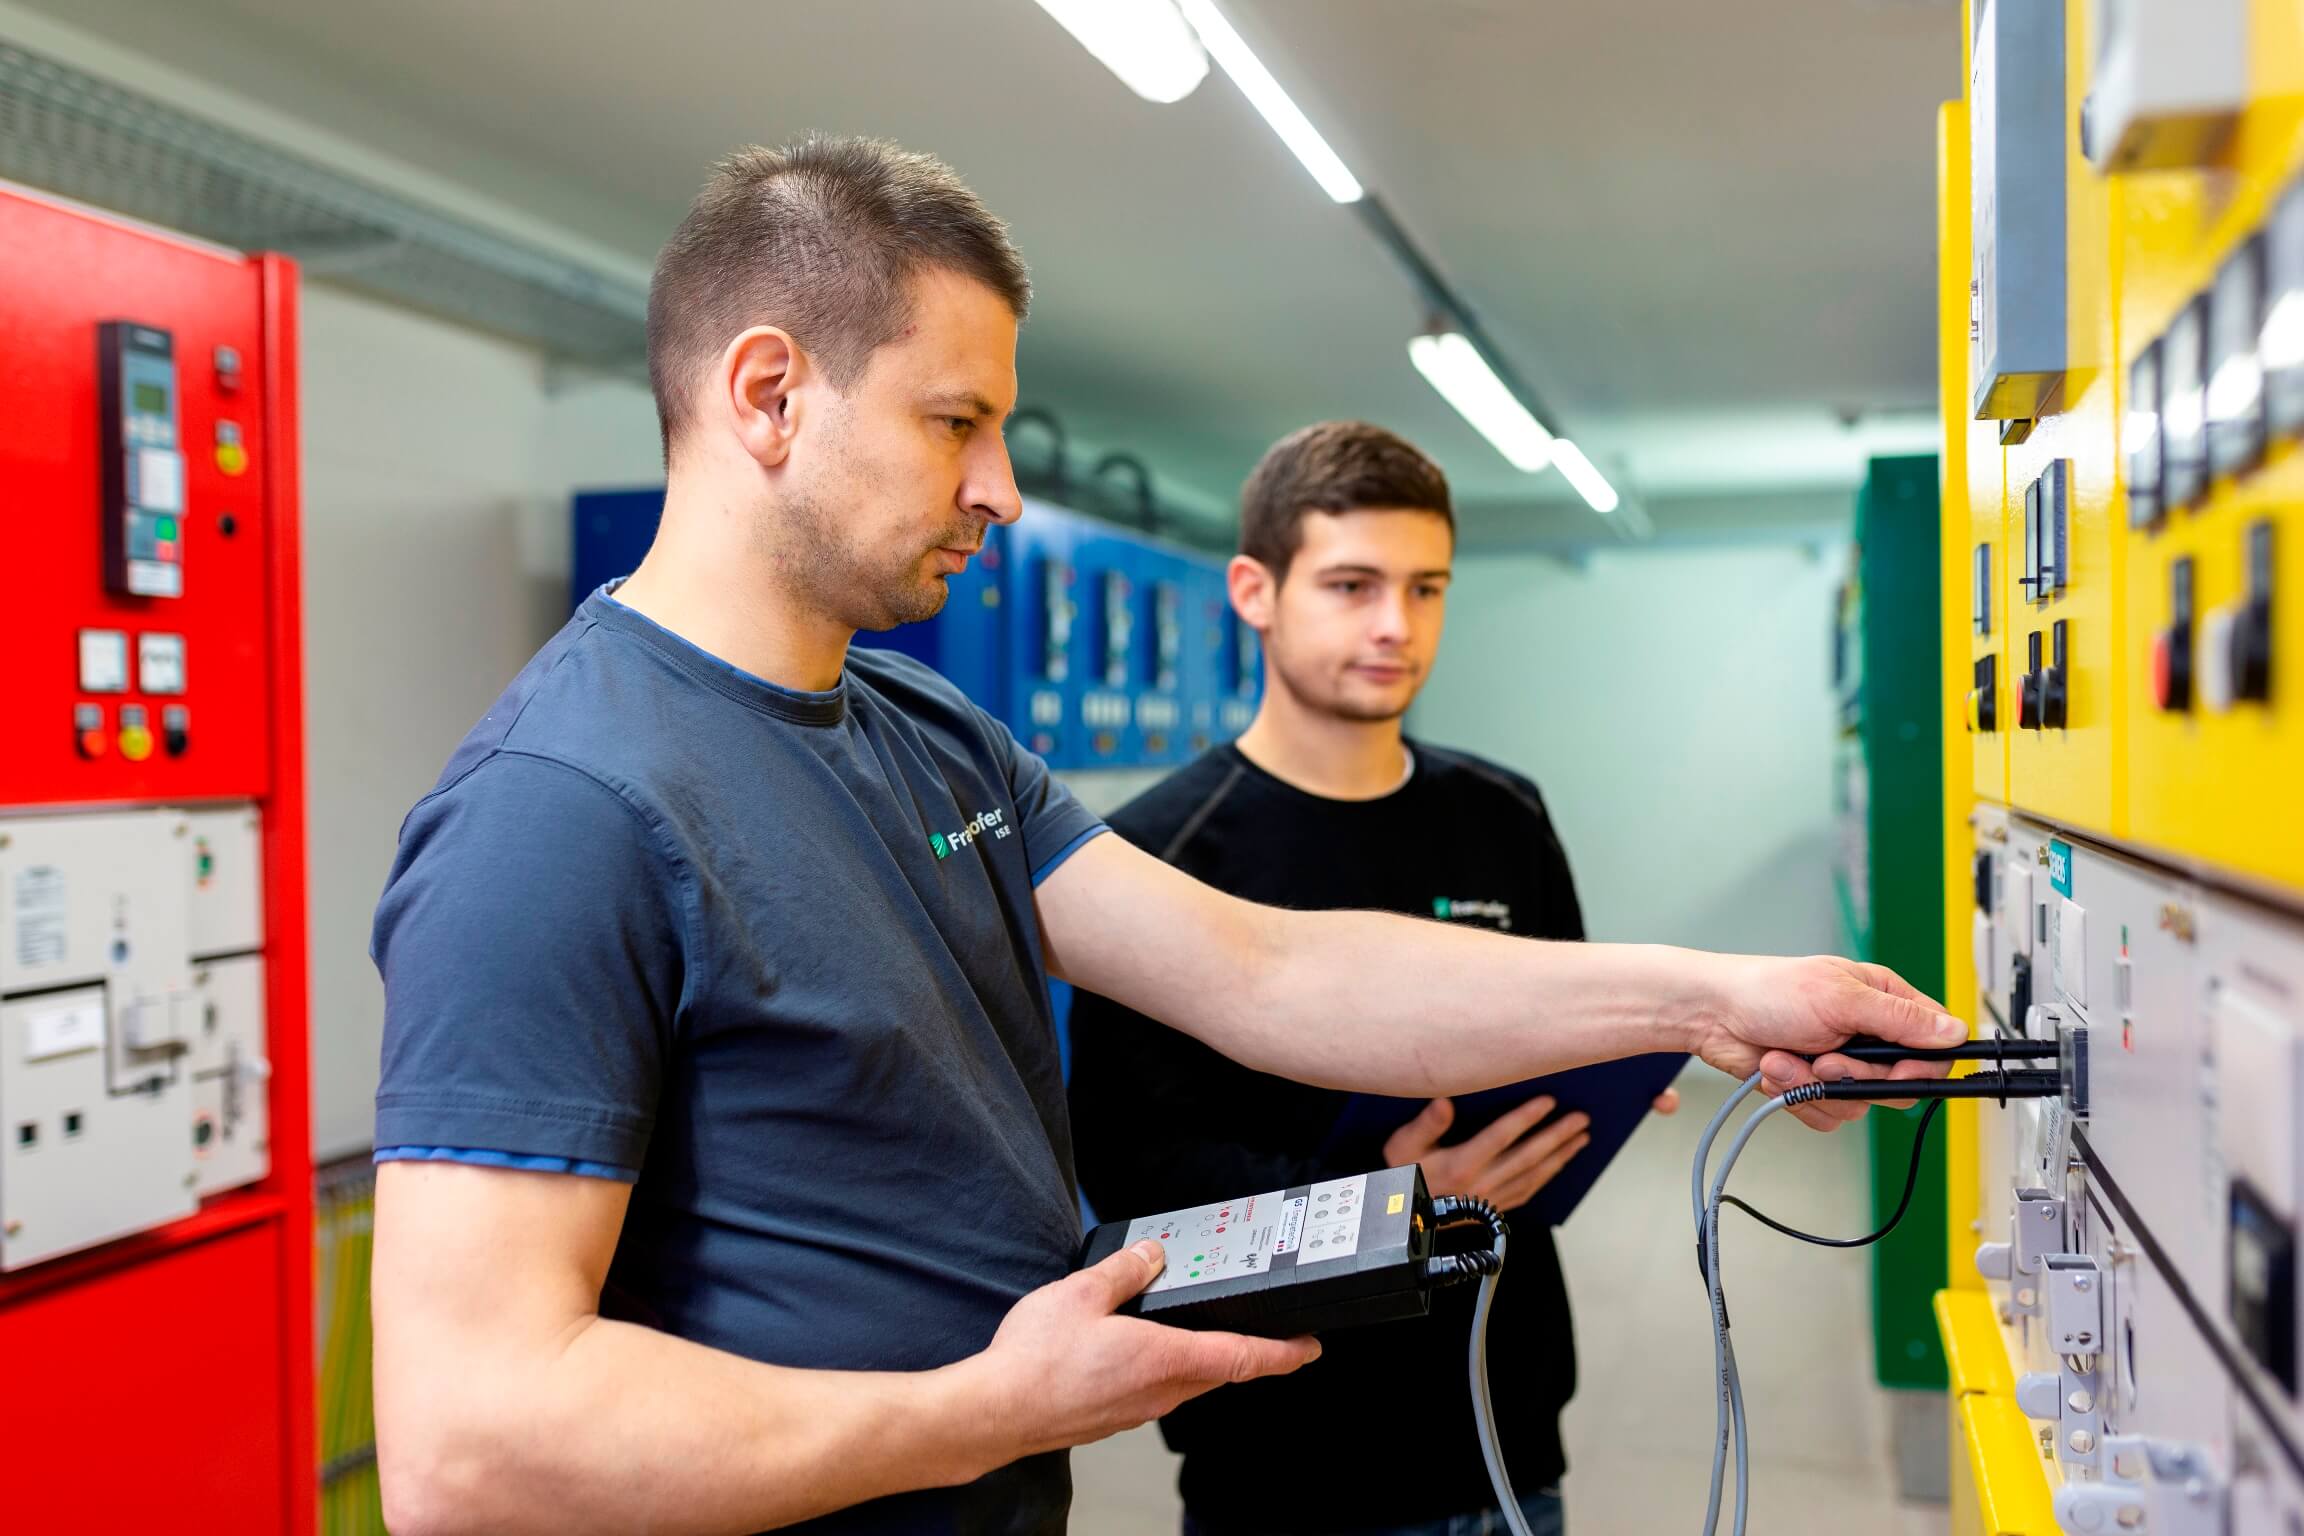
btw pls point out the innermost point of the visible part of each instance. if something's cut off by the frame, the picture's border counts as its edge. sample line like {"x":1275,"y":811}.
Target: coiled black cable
{"x":1904,"y":1203}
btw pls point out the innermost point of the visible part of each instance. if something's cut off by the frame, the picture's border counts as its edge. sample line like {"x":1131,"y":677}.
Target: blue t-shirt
{"x":774,"y":956}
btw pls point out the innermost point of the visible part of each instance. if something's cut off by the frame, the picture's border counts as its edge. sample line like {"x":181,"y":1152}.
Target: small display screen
{"x":2184,"y":407}
{"x":2235,"y":376}
{"x":2280,"y":346}
{"x":149,"y":399}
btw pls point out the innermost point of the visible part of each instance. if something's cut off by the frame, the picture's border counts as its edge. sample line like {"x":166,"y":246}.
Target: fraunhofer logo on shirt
{"x":948,"y":843}
{"x":1458,"y":909}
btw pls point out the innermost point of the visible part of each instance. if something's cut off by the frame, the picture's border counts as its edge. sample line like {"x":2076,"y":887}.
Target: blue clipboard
{"x":1616,"y":1095}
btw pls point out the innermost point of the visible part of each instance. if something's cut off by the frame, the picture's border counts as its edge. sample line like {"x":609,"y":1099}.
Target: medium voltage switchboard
{"x":2121,"y":300}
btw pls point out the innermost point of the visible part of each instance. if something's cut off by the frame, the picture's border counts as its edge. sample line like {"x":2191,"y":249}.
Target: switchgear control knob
{"x":1993,"y":1261}
{"x":2040,"y":1395}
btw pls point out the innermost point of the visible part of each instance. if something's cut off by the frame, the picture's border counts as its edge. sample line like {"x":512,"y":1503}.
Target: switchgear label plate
{"x":2060,"y":868}
{"x":40,"y":915}
{"x":62,"y":1031}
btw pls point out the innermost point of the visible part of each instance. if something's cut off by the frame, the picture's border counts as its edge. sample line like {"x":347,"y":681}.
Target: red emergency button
{"x":88,"y":731}
{"x":2172,"y":670}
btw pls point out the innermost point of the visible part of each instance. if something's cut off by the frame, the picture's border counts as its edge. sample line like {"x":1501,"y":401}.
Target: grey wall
{"x":437,"y":466}
{"x":1675,"y":709}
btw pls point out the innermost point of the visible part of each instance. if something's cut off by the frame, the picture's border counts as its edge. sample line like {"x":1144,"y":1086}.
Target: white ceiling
{"x":1703,"y":228}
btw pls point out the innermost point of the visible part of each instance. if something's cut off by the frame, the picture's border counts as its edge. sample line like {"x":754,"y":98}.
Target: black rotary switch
{"x":2028,"y":686}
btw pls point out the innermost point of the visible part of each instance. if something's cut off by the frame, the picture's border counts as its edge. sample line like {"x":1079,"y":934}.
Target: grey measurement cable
{"x":1490,"y":1268}
{"x":2002,"y":1085}
{"x":1721,"y":1349}
{"x":1728,"y":1418}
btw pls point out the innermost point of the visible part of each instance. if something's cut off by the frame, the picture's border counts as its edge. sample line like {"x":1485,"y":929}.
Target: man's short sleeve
{"x":1055,"y":824}
{"x":530,"y":943}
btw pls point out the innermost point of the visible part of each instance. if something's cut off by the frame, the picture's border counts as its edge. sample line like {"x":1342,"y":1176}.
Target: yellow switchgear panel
{"x":1976,"y":738}
{"x":2216,"y":753}
{"x":2063,"y":575}
{"x":2125,"y":827}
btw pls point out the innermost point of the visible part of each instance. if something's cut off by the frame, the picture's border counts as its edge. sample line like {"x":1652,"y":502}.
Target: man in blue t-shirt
{"x":726,"y":1177}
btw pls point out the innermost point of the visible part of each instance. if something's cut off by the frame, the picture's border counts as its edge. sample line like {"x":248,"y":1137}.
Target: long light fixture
{"x":1266,"y":96}
{"x":1453,"y":366}
{"x":1161,"y":48}
{"x":1145,"y":42}
{"x":1590,"y":484}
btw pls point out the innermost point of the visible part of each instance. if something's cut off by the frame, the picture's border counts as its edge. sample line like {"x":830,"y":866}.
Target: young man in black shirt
{"x":1346,"y":540}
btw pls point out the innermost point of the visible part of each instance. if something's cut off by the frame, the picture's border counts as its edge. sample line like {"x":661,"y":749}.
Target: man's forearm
{"x":1400,"y":1005}
{"x":617,"y":1428}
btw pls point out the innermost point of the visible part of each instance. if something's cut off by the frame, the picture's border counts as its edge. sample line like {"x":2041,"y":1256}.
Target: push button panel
{"x":152,"y":663}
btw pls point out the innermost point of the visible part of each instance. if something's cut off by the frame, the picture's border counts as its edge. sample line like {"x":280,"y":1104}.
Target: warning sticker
{"x":40,"y":915}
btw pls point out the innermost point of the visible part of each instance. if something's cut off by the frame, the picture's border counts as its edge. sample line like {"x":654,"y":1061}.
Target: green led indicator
{"x":1440,"y":905}
{"x":167,"y":528}
{"x":1195,"y":1275}
{"x":1199,"y":1258}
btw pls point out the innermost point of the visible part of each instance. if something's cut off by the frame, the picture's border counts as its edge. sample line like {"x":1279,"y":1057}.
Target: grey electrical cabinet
{"x":2017,"y":144}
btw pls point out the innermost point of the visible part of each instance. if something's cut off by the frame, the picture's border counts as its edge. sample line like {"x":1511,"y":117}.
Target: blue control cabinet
{"x":1048,"y":651}
{"x":1111,"y":574}
{"x":609,"y":533}
{"x":1099,"y":647}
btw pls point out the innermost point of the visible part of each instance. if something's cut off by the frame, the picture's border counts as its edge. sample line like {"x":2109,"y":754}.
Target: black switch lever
{"x":2252,"y":628}
{"x":2054,"y":687}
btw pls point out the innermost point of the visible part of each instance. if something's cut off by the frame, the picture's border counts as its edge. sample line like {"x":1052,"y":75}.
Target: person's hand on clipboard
{"x":1504,"y":1164}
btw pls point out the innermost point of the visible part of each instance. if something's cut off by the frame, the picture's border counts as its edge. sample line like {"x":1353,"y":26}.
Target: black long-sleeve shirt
{"x":1379,"y":1430}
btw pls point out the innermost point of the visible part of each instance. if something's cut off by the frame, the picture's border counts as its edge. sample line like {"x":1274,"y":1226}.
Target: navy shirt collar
{"x":800,"y":706}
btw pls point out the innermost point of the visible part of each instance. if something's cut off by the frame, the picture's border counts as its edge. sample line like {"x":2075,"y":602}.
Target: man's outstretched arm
{"x":1400,"y":1005}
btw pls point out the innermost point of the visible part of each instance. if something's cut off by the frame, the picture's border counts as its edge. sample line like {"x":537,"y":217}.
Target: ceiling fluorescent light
{"x":1590,"y":484}
{"x":1145,"y":42}
{"x":1264,"y":93}
{"x":1453,"y":366}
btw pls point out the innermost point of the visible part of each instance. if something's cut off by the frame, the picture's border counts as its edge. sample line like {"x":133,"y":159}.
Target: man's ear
{"x":1254,"y":590}
{"x":762,"y":390}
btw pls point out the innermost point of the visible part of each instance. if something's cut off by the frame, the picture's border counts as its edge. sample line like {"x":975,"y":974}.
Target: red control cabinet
{"x":158,"y":1373}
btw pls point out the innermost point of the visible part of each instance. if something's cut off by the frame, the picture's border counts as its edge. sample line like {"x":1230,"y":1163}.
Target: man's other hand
{"x":1063,"y":1370}
{"x":1504,"y":1164}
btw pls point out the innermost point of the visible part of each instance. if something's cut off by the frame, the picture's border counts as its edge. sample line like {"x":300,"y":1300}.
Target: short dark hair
{"x":1335,"y":466}
{"x":823,"y":239}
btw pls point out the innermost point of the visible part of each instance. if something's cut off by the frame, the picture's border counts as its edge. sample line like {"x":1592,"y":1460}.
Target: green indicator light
{"x":167,"y":528}
{"x":1199,"y":1258}
{"x":1195,"y":1274}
